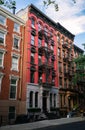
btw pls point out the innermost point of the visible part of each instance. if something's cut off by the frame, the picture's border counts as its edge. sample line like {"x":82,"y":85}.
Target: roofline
{"x":56,"y":25}
{"x":81,"y":50}
{"x":10,"y":15}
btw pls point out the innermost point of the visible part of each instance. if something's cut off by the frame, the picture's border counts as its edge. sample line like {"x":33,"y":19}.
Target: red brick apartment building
{"x":12,"y":102}
{"x":40,"y":60}
{"x":35,"y":64}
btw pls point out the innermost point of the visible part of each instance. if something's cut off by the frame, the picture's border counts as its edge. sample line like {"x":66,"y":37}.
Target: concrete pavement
{"x":41,"y":124}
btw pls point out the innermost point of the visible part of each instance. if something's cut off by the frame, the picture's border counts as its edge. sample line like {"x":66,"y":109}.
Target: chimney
{"x":14,"y":8}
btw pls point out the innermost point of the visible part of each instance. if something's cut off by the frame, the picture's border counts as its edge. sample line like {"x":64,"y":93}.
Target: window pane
{"x":16,"y":43}
{"x":1,"y":58}
{"x":32,"y":39}
{"x":13,"y":88}
{"x":2,"y":20}
{"x":1,"y":37}
{"x":15,"y":63}
{"x":31,"y":99}
{"x":16,"y":27}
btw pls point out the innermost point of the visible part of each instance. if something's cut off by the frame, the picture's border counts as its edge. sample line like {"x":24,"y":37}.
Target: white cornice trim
{"x":8,"y":14}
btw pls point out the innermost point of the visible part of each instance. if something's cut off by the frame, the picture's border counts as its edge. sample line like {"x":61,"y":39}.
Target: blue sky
{"x":70,"y":15}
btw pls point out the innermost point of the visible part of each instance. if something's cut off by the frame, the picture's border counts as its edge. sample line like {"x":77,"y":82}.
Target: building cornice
{"x":8,"y":14}
{"x":55,"y":25}
{"x":78,"y":49}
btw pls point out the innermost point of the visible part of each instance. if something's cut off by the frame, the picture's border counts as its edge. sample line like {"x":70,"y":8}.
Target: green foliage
{"x":79,"y":76}
{"x":8,"y":3}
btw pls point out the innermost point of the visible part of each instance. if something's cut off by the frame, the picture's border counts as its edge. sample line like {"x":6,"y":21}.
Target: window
{"x":54,"y":100}
{"x":45,"y":44}
{"x":52,"y":48}
{"x":16,"y":43}
{"x":13,"y":86}
{"x":36,"y":99}
{"x":1,"y":59}
{"x":58,"y":38}
{"x":32,"y":58}
{"x":39,"y":60}
{"x":16,"y":27}
{"x":2,"y":38}
{"x":59,"y":52}
{"x":31,"y":99}
{"x":2,"y":20}
{"x":62,"y":41}
{"x":11,"y":112}
{"x":1,"y":76}
{"x":33,"y":22}
{"x":39,"y":42}
{"x":32,"y":76}
{"x":15,"y":61}
{"x":39,"y":26}
{"x":45,"y":30}
{"x":32,"y":40}
{"x":60,"y":67}
{"x":50,"y":99}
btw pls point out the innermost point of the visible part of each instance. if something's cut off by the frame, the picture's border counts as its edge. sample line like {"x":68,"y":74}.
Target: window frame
{"x":16,"y":27}
{"x":3,"y":53}
{"x":3,"y":21}
{"x":18,"y":43}
{"x":31,"y":99}
{"x":32,"y":39}
{"x":1,"y":76}
{"x":4,"y":37}
{"x":15,"y":91}
{"x":17,"y":57}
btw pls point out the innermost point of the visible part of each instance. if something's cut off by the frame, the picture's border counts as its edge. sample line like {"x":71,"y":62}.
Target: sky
{"x":70,"y":15}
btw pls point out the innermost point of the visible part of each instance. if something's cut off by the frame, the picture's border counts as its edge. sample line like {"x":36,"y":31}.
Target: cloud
{"x":70,"y":15}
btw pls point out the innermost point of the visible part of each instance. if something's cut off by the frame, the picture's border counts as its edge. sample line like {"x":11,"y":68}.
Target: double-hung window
{"x":2,"y":52}
{"x":2,"y":38}
{"x":1,"y":76}
{"x":16,"y":27}
{"x":2,"y":20}
{"x":33,"y":22}
{"x":1,"y":58}
{"x":39,"y":42}
{"x":15,"y":62}
{"x":13,"y":88}
{"x":32,"y":39}
{"x":16,"y":43}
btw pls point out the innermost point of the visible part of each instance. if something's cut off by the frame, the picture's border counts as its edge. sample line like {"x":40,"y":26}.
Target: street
{"x":70,"y":126}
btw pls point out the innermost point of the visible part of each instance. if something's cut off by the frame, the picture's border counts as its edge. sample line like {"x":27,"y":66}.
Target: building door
{"x":44,"y":104}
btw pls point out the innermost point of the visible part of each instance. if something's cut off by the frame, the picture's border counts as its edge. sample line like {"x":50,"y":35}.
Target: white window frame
{"x":1,"y":76}
{"x":12,"y":77}
{"x":18,"y":46}
{"x":4,"y":32}
{"x":17,"y":57}
{"x":16,"y":27}
{"x":2,"y":22}
{"x":3,"y":52}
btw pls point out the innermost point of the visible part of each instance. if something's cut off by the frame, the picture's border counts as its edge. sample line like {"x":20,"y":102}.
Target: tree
{"x":12,"y":3}
{"x":79,"y":76}
{"x":8,"y":3}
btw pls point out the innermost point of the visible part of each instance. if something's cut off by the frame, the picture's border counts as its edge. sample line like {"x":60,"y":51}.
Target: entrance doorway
{"x":44,"y":104}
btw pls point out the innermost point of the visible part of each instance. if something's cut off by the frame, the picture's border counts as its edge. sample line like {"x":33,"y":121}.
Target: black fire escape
{"x":47,"y":66}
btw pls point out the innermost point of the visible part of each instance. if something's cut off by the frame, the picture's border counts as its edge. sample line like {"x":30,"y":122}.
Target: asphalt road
{"x":70,"y":126}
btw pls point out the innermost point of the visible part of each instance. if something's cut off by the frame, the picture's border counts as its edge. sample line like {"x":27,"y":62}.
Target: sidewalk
{"x":41,"y":124}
